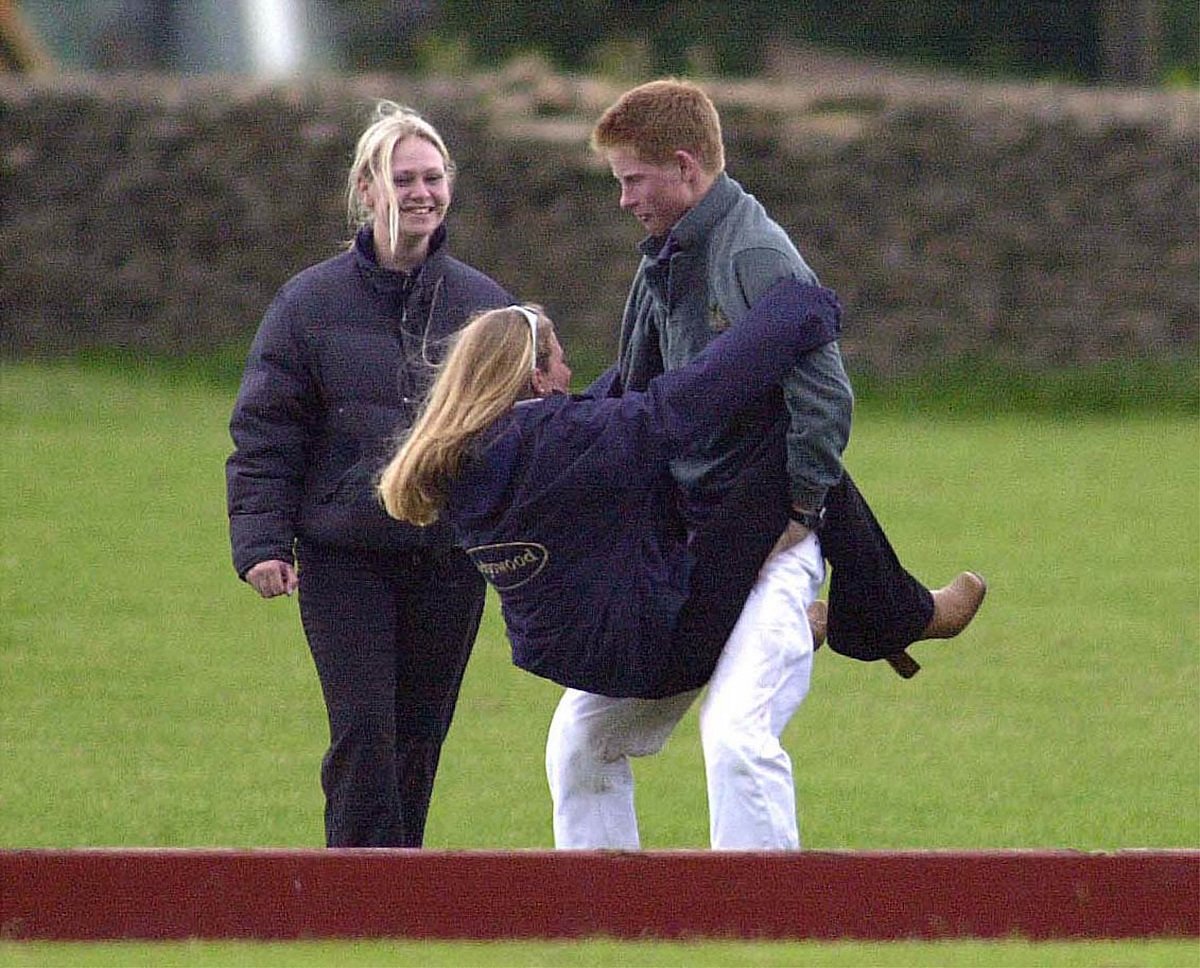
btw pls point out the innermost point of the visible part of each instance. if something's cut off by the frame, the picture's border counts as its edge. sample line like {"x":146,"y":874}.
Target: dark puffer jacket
{"x":338,"y":368}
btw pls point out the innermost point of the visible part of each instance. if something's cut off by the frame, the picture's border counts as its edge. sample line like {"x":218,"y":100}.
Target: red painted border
{"x":107,"y":894}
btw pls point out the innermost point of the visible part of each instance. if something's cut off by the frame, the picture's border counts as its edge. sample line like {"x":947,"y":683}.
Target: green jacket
{"x":713,"y":265}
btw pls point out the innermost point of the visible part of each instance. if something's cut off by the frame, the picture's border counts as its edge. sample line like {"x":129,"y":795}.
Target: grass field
{"x":372,"y":954}
{"x":150,"y":699}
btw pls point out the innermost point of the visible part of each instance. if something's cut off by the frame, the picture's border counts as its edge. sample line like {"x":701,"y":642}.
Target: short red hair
{"x":656,"y":119}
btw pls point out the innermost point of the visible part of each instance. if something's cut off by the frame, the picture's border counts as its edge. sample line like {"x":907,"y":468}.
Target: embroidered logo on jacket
{"x":718,"y":322}
{"x":511,"y":564}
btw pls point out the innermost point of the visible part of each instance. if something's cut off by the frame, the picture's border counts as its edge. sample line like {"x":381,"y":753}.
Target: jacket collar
{"x":390,"y":280}
{"x":691,"y":230}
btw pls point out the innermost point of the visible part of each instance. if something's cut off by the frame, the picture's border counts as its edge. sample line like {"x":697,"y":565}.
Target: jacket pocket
{"x":356,"y":487}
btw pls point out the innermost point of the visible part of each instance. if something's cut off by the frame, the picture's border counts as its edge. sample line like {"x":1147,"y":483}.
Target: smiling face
{"x":656,"y":195}
{"x":420,"y":194}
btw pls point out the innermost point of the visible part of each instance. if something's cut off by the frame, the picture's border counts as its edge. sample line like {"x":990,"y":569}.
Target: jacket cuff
{"x":809,"y":498}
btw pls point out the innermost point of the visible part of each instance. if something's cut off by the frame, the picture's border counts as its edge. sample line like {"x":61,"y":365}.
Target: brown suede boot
{"x":818,"y":621}
{"x":955,"y":605}
{"x":953,"y":608}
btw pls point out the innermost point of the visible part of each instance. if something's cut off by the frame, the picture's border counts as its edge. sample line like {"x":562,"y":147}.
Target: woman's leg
{"x":349,"y":617}
{"x":876,"y":607}
{"x":728,"y":550}
{"x":440,"y":603}
{"x":390,"y":639}
{"x":760,"y":680}
{"x":587,"y":764}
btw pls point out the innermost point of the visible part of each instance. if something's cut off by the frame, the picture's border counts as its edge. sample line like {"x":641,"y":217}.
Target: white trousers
{"x":760,"y":680}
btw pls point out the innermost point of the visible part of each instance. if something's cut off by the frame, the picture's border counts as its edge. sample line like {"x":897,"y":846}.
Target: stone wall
{"x":1038,"y":225}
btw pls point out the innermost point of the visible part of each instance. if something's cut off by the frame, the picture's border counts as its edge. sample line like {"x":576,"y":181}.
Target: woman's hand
{"x":271,"y":578}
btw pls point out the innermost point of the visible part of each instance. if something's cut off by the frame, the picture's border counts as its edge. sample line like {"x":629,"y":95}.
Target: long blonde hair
{"x":488,"y":369}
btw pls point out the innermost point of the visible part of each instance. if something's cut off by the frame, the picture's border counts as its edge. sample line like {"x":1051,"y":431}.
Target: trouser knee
{"x":575,"y":757}
{"x":729,"y":754}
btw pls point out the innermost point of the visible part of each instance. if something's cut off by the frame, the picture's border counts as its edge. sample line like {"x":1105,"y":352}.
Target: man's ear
{"x":689,"y":168}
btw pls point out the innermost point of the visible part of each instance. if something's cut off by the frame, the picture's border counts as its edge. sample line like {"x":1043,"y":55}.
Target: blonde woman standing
{"x":340,"y":362}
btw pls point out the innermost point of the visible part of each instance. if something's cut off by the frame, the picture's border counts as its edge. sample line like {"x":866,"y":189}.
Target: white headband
{"x":532,"y":319}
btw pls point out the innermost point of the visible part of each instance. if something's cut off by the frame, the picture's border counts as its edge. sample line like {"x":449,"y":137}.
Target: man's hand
{"x":271,"y":578}
{"x":792,"y":535}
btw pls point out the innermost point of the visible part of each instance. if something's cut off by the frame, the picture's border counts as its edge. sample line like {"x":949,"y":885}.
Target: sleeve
{"x":816,"y":389}
{"x":790,"y":322}
{"x":607,"y":384}
{"x":264,"y":476}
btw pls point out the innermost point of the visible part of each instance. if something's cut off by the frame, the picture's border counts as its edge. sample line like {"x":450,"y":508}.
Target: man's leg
{"x":587,"y":764}
{"x":760,"y":680}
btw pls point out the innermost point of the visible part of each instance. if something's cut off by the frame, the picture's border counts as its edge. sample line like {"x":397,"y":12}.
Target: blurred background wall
{"x":1128,"y":41}
{"x":990,"y":188}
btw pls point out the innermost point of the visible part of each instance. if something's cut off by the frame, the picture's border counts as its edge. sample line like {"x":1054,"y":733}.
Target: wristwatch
{"x":810,"y":519}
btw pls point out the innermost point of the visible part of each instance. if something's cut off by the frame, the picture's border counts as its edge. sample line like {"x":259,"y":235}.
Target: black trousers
{"x":876,"y":607}
{"x":390,"y":637}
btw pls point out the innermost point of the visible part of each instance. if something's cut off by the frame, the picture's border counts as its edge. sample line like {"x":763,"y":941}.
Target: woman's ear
{"x":364,"y":193}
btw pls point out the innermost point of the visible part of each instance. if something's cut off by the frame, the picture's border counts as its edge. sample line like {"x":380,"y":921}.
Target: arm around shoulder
{"x":790,"y":322}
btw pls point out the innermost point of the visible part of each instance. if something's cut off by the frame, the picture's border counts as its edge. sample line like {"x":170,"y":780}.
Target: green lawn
{"x":372,"y":954}
{"x":150,"y":699}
